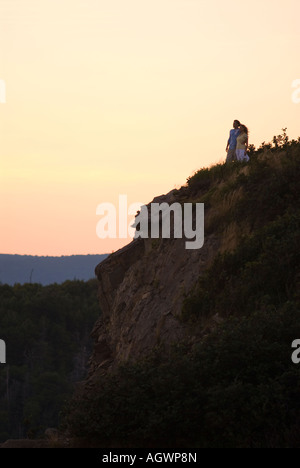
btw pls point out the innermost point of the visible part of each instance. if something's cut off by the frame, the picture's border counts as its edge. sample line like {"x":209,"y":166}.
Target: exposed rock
{"x":141,"y":290}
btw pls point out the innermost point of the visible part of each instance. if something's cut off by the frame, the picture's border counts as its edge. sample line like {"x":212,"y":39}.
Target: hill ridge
{"x":15,"y":268}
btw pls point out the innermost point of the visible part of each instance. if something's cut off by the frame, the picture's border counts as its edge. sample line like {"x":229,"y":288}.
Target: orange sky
{"x":129,"y":97}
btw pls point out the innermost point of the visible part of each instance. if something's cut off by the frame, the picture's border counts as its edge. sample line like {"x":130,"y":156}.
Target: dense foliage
{"x":263,"y":271}
{"x":237,"y":387}
{"x":47,"y":334}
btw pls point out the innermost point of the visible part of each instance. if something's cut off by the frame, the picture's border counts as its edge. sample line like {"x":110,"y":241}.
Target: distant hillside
{"x":47,"y":270}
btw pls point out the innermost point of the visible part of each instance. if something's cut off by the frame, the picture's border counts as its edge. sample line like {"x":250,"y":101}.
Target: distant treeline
{"x":47,"y":270}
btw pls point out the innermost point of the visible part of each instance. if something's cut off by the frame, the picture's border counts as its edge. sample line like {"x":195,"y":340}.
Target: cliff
{"x":141,"y":290}
{"x":193,"y":347}
{"x":142,"y":286}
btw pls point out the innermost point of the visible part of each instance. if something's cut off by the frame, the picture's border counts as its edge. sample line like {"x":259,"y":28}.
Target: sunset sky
{"x":129,"y":97}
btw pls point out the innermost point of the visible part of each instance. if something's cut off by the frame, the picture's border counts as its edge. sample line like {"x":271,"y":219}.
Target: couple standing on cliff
{"x":237,"y":143}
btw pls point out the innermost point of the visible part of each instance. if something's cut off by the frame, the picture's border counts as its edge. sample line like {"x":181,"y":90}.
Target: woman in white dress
{"x":242,"y":145}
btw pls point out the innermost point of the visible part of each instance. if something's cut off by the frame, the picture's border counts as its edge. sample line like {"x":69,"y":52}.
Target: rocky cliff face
{"x":141,"y":290}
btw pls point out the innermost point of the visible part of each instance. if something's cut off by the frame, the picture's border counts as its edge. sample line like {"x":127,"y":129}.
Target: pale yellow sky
{"x":129,"y":97}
